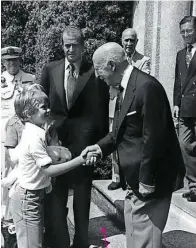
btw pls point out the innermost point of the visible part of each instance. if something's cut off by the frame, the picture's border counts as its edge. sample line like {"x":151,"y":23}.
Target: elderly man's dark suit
{"x":146,"y":142}
{"x":185,"y":99}
{"x":81,"y":125}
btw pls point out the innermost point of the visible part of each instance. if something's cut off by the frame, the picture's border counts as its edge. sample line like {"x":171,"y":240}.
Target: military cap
{"x":11,"y":52}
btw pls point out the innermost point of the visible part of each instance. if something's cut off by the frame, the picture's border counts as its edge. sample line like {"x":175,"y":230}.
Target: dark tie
{"x":118,"y":107}
{"x":71,"y":85}
{"x":188,"y":54}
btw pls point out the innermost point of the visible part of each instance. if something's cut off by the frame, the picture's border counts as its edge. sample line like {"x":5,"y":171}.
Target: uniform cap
{"x":11,"y":52}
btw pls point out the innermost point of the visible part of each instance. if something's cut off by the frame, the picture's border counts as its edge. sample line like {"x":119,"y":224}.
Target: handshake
{"x":91,"y":154}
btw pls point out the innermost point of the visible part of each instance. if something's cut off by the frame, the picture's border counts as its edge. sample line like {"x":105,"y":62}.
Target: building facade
{"x":157,"y":23}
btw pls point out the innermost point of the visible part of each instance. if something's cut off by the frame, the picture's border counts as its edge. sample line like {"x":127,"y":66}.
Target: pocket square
{"x":131,"y":113}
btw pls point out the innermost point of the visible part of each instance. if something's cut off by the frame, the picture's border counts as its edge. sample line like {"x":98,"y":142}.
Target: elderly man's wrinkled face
{"x":107,"y":73}
{"x":129,"y":42}
{"x":72,"y":48}
{"x":188,"y":32}
{"x":12,"y":65}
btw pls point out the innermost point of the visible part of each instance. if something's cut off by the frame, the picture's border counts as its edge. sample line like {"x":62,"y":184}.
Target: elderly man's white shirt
{"x":32,"y":157}
{"x":193,"y":49}
{"x":114,"y":91}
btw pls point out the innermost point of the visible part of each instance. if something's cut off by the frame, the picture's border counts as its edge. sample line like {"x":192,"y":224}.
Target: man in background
{"x":185,"y":101}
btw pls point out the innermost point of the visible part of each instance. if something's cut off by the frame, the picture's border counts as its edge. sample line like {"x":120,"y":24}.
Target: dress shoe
{"x":114,"y":185}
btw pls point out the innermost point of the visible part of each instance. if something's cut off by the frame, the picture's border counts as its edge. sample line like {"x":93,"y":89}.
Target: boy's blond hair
{"x":28,"y":99}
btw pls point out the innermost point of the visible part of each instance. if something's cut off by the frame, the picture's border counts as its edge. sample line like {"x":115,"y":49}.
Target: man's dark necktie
{"x":118,"y":107}
{"x":188,"y":54}
{"x":71,"y":85}
{"x":119,"y":102}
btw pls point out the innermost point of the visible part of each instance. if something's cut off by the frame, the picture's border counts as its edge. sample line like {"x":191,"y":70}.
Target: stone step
{"x":180,"y":230}
{"x":114,"y":236}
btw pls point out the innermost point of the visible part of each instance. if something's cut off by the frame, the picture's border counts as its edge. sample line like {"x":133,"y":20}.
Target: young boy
{"x":34,"y":169}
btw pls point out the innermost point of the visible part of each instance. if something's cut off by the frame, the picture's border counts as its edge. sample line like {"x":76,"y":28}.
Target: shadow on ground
{"x":179,"y":239}
{"x":96,"y":236}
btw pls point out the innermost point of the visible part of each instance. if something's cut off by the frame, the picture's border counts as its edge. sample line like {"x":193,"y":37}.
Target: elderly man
{"x":144,"y":136}
{"x":79,"y":104}
{"x":185,"y":101}
{"x":129,"y":42}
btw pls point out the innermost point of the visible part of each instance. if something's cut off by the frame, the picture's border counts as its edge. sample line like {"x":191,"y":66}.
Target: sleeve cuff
{"x":43,"y":161}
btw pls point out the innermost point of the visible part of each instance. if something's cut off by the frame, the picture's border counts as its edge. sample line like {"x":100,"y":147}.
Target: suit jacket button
{"x":182,"y":95}
{"x":193,"y":94}
{"x":194,"y":83}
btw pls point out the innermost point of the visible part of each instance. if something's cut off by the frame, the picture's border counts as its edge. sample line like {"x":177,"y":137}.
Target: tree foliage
{"x":37,"y":26}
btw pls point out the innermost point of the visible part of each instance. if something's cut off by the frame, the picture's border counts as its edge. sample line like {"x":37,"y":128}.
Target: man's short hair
{"x":74,"y":31}
{"x":186,"y":19}
{"x":28,"y":99}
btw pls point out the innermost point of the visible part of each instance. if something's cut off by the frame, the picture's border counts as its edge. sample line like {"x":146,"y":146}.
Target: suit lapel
{"x":81,"y":82}
{"x":190,"y":71}
{"x":136,"y":61}
{"x":192,"y":67}
{"x":129,"y":96}
{"x":58,"y":78}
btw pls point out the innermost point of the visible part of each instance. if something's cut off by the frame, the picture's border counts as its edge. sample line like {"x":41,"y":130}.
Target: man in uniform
{"x":10,"y":79}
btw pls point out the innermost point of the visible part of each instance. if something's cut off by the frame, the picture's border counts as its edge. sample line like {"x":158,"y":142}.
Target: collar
{"x":126,"y":76}
{"x":77,"y":65}
{"x":10,"y":77}
{"x":32,"y":129}
{"x":129,"y":59}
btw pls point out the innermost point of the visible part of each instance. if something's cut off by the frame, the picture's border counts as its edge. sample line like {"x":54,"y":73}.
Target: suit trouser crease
{"x":187,"y":139}
{"x":145,"y":221}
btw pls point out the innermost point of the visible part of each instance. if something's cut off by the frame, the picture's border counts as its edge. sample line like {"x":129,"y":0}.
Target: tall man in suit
{"x":79,"y":104}
{"x":185,"y":101}
{"x":129,"y":43}
{"x":144,"y":136}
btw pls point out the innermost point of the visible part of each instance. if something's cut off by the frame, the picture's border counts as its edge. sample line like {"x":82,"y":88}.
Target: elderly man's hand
{"x":145,"y":190}
{"x":91,"y":154}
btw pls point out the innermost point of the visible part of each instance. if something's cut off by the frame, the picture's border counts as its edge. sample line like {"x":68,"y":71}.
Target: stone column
{"x":194,"y":8}
{"x":157,"y":23}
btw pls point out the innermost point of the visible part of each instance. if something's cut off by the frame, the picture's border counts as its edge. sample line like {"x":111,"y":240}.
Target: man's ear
{"x":112,"y":64}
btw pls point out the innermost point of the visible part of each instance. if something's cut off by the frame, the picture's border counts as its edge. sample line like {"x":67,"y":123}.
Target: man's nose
{"x":129,"y":42}
{"x":186,"y":33}
{"x":48,"y":112}
{"x":71,"y":48}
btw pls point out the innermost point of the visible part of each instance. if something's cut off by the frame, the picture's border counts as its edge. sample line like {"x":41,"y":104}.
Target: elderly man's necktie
{"x":189,"y":54}
{"x":118,"y":107}
{"x":71,"y":85}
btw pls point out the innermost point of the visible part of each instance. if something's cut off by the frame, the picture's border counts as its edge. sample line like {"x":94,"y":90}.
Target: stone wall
{"x":157,"y":23}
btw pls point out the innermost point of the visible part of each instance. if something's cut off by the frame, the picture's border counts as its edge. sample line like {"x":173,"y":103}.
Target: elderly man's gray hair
{"x":110,"y":51}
